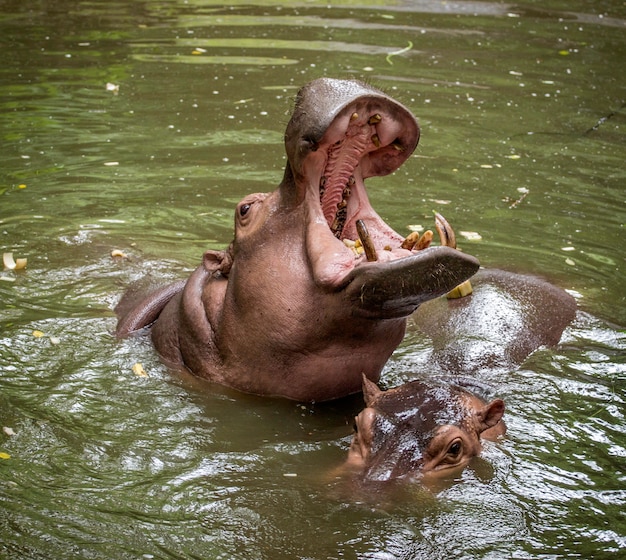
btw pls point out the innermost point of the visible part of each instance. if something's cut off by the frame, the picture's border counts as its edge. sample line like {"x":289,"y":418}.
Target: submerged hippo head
{"x":419,"y":428}
{"x":292,"y":308}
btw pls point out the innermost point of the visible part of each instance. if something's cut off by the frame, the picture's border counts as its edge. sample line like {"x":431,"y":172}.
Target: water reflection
{"x":507,"y":96}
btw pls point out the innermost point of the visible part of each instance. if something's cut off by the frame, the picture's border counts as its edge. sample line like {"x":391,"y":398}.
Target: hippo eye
{"x":243,"y":209}
{"x":455,"y":449}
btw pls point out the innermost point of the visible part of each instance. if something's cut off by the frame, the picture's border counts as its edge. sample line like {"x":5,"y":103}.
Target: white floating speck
{"x":471,"y":235}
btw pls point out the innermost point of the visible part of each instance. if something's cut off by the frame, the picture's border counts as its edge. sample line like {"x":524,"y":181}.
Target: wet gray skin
{"x":420,"y":429}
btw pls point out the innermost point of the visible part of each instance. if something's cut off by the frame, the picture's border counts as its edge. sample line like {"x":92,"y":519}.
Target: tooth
{"x":376,"y":140}
{"x":446,"y":233}
{"x":424,"y":241}
{"x":397,"y":145}
{"x":351,"y":180}
{"x":410,"y":240}
{"x":366,"y":241}
{"x":354,"y":116}
{"x":374,"y":119}
{"x":322,"y":187}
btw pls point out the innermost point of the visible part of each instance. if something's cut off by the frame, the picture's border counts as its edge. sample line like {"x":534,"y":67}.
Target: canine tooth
{"x":354,"y":116}
{"x":397,"y":145}
{"x":446,"y":233}
{"x":410,"y":240}
{"x":366,"y":241}
{"x":374,"y":119}
{"x":376,"y":140}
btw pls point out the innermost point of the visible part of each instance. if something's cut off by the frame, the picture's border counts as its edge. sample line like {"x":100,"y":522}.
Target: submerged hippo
{"x":290,"y":308}
{"x":420,"y":429}
{"x":506,"y":318}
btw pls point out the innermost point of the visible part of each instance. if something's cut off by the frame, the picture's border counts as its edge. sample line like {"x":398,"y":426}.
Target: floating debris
{"x":396,"y":53}
{"x":471,"y":235}
{"x":13,"y":264}
{"x":139,"y":371}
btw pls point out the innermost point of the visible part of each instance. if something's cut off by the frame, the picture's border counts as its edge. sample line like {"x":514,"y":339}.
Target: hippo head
{"x":341,"y":133}
{"x":420,"y":429}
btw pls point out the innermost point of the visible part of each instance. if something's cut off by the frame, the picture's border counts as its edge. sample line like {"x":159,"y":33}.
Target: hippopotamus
{"x":421,"y":429}
{"x":505,"y":319}
{"x":292,"y":307}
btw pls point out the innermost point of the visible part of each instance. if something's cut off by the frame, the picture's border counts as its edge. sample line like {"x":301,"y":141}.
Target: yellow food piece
{"x":462,"y":290}
{"x":38,"y":334}
{"x":139,"y":371}
{"x":13,"y":264}
{"x":4,"y":455}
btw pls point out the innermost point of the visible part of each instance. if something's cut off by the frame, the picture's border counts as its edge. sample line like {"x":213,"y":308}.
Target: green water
{"x":523,"y":141}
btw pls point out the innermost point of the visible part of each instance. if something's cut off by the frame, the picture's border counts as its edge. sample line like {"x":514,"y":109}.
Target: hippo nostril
{"x":310,"y":144}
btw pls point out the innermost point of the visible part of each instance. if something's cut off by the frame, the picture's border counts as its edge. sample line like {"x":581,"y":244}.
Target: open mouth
{"x":363,"y":141}
{"x":341,"y":133}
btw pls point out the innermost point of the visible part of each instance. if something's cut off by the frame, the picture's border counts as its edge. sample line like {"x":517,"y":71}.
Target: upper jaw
{"x":363,"y":140}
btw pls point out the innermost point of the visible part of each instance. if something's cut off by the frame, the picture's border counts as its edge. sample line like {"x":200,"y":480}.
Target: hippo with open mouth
{"x":421,"y":429}
{"x":292,"y":308}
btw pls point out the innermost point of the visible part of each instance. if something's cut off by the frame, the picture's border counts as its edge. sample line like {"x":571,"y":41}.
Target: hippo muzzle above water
{"x":421,"y":428}
{"x":290,"y":308}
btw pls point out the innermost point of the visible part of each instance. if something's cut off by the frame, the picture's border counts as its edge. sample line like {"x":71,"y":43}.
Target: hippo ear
{"x":370,"y":391}
{"x":217,"y":261}
{"x":491,"y":414}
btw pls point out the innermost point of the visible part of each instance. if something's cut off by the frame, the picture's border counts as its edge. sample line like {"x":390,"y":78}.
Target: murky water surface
{"x":524,"y":129}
